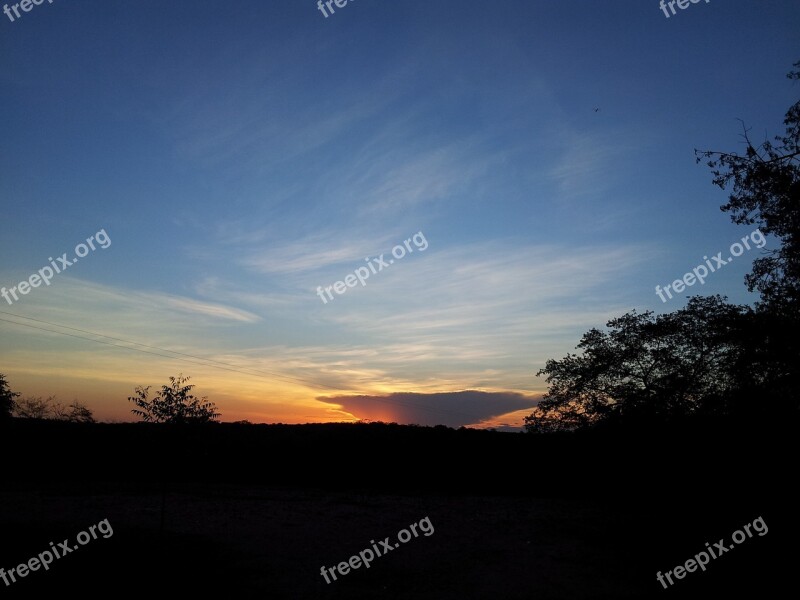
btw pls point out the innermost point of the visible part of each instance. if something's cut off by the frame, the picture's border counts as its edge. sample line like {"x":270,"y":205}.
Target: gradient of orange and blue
{"x":239,"y":155}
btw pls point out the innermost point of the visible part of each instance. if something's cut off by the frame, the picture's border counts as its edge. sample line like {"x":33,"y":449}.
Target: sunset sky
{"x":238,"y":155}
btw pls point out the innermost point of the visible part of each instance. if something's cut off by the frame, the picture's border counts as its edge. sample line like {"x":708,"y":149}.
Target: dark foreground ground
{"x":512,"y":519}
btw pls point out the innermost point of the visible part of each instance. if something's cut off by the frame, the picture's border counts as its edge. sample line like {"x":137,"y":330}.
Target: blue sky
{"x":240,"y":155}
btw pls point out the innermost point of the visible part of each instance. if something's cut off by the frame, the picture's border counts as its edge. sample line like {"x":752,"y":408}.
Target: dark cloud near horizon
{"x":453,"y":409}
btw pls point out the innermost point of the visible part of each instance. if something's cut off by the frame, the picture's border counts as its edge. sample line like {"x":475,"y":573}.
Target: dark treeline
{"x":400,"y":458}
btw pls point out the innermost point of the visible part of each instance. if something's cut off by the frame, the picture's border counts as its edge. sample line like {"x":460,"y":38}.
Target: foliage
{"x":173,"y":404}
{"x":647,"y":367}
{"x":7,"y":402}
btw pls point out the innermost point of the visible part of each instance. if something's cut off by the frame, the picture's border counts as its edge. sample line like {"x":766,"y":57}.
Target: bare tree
{"x":79,"y":413}
{"x":34,"y":407}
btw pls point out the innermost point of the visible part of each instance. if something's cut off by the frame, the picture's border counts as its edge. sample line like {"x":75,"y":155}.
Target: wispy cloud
{"x":312,"y":253}
{"x":79,"y":303}
{"x":204,"y":308}
{"x":475,"y":315}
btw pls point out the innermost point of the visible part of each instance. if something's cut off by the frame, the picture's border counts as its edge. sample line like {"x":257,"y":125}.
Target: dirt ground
{"x":513,"y":517}
{"x":271,"y":543}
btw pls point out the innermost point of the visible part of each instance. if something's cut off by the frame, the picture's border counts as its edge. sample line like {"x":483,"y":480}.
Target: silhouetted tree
{"x":710,"y":357}
{"x":648,"y":367}
{"x":173,"y":404}
{"x":34,"y":407}
{"x":59,"y":412}
{"x":7,"y":402}
{"x":78,"y":413}
{"x":766,"y":191}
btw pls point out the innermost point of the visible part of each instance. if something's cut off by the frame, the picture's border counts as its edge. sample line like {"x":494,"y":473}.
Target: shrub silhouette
{"x":34,"y":407}
{"x":173,"y":404}
{"x":77,"y":412}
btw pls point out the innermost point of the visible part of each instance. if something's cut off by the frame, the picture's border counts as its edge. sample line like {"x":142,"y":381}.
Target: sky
{"x":504,"y":177}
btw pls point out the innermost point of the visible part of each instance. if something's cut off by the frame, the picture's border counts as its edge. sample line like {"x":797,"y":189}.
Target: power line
{"x":209,"y":362}
{"x":227,"y":366}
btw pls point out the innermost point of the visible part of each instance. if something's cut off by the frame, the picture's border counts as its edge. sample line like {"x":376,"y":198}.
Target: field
{"x":244,"y":538}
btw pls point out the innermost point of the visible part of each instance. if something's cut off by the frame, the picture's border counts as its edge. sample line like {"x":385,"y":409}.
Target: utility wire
{"x":209,"y":362}
{"x":227,"y":366}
